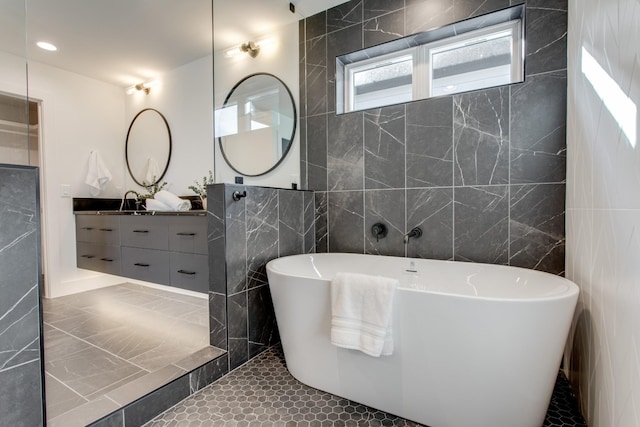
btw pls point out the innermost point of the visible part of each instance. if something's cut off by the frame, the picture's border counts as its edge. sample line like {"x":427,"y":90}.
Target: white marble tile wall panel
{"x":603,"y":215}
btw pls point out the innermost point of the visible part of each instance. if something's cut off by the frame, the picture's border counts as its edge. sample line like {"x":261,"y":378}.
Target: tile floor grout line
{"x":67,"y":386}
{"x":264,"y":392}
{"x":99,"y":348}
{"x":176,"y":311}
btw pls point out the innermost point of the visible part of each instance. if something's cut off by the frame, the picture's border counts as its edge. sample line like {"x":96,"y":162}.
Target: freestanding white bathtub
{"x":476,"y":345}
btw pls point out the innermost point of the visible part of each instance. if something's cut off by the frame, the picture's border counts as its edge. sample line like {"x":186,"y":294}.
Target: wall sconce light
{"x":143,"y":87}
{"x":250,"y":48}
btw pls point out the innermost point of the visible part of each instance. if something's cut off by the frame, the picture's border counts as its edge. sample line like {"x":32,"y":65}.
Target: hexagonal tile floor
{"x":263,"y":393}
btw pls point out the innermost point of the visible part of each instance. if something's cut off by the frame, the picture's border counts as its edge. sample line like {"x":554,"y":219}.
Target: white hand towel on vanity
{"x":361,"y":313}
{"x":156,"y":205}
{"x":173,"y":201}
{"x":98,"y":176}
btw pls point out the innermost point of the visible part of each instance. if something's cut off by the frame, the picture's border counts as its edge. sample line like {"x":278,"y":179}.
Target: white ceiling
{"x":124,"y":42}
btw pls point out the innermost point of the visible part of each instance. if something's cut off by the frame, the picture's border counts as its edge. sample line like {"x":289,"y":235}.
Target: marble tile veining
{"x":116,"y":341}
{"x":21,"y":379}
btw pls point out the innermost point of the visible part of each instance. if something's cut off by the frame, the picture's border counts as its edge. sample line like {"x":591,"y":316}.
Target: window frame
{"x":368,"y":64}
{"x":513,"y":26}
{"x":423,"y":46}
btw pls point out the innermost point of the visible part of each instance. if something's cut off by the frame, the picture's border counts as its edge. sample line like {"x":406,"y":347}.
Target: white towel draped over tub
{"x":98,"y":175}
{"x":361,"y":313}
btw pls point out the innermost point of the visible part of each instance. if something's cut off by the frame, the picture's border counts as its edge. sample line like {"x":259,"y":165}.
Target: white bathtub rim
{"x":570,"y":289}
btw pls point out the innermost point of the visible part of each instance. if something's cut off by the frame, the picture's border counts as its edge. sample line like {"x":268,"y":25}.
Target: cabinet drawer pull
{"x":87,"y":256}
{"x":106,"y":229}
{"x":87,"y":228}
{"x":190,"y":273}
{"x":185,"y":234}
{"x":106,"y":259}
{"x":140,"y":231}
{"x":140,"y":264}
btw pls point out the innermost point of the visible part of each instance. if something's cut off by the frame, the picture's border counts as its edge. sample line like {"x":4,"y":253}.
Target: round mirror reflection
{"x":256,"y":124}
{"x":148,"y":147}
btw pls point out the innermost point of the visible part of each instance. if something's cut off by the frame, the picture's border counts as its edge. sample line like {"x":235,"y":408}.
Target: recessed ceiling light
{"x":47,"y":46}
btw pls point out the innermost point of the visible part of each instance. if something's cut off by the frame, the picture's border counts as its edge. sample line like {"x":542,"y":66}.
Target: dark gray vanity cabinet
{"x":145,"y":241}
{"x":98,"y":243}
{"x":165,"y":249}
{"x":189,"y":248}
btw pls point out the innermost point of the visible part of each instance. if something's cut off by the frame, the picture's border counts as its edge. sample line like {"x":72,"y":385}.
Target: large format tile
{"x":384,"y":148}
{"x":346,"y":221}
{"x":291,"y":223}
{"x":105,"y":343}
{"x":91,"y":370}
{"x":340,"y":42}
{"x":537,"y":227}
{"x":431,"y":209}
{"x":538,"y":129}
{"x":262,"y":232}
{"x":384,"y":28}
{"x":84,"y":414}
{"x":481,"y":137}
{"x":429,"y":143}
{"x":316,"y":76}
{"x":481,"y":224}
{"x":344,"y":15}
{"x":345,"y":152}
{"x":60,"y":398}
{"x":546,"y":36}
{"x":235,"y":250}
{"x":386,"y":207}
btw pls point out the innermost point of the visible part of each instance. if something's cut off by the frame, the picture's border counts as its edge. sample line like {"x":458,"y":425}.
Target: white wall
{"x":185,"y":97}
{"x":280,"y":58}
{"x":79,"y":114}
{"x":603,"y":208}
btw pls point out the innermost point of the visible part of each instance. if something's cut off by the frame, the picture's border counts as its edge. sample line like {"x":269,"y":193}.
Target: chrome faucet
{"x":415,"y":233}
{"x":124,"y":198}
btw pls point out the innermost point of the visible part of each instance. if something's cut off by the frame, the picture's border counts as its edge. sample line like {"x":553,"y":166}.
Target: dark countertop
{"x":193,"y":212}
{"x":96,"y":206}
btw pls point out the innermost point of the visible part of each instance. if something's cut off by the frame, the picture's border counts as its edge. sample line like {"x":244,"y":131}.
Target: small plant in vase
{"x":200,"y":188}
{"x":152,"y":189}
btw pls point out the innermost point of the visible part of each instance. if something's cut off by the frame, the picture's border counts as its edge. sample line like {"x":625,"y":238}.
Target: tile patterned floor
{"x":100,"y":340}
{"x":263,"y":393}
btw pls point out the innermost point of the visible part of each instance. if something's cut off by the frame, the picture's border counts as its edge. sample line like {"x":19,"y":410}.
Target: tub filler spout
{"x":415,"y":233}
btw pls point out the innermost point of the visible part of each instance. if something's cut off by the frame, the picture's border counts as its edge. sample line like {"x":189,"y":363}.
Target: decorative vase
{"x":204,"y":202}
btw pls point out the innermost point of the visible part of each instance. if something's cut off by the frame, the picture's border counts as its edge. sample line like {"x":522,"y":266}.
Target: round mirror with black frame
{"x":256,"y":124}
{"x":148,"y":147}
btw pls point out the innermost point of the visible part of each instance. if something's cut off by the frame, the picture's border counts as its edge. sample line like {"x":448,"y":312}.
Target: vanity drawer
{"x":98,"y":229}
{"x":190,"y":271}
{"x":145,"y":231}
{"x":188,"y":234}
{"x":146,"y":264}
{"x":97,"y":257}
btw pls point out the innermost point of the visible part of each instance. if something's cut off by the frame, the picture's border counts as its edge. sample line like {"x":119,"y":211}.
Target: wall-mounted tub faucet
{"x":415,"y":233}
{"x":237,"y":195}
{"x":379,"y":231}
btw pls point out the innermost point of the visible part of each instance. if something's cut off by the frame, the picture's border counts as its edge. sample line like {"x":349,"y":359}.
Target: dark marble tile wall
{"x":21,"y":381}
{"x":244,"y":236}
{"x":483,"y":173}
